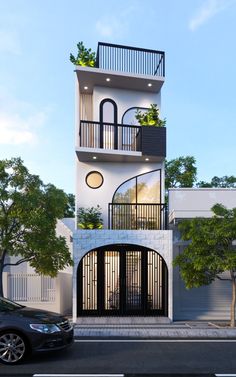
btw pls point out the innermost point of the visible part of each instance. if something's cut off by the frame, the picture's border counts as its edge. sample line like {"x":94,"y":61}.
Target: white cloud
{"x":9,"y":42}
{"x":208,"y":10}
{"x":110,"y":26}
{"x":110,"y":29}
{"x":16,"y":129}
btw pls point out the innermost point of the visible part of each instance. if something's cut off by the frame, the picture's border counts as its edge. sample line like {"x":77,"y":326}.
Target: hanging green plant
{"x":150,"y":117}
{"x":85,"y":57}
{"x":90,"y":218}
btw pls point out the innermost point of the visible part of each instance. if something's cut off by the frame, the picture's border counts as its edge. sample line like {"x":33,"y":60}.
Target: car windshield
{"x":7,"y":305}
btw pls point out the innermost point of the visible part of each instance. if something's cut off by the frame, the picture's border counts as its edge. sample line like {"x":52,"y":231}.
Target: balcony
{"x":128,"y":59}
{"x":120,"y":142}
{"x":130,"y":216}
{"x":127,"y":67}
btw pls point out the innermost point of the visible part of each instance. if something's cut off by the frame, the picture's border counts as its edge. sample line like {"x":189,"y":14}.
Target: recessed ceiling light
{"x":147,"y":159}
{"x":94,"y":157}
{"x":85,"y":88}
{"x":149,"y":84}
{"x":108,"y":79}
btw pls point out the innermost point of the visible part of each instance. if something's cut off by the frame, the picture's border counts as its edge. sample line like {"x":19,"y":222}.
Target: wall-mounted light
{"x":108,"y":79}
{"x":85,"y":88}
{"x":149,"y":84}
{"x":147,"y":159}
{"x":94,"y":157}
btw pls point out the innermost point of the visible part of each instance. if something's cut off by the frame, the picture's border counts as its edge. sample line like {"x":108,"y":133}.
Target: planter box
{"x":153,"y":141}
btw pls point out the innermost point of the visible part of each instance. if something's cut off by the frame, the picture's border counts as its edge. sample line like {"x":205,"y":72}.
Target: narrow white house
{"x":125,"y":269}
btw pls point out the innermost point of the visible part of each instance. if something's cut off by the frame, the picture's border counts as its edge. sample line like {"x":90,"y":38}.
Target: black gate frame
{"x":122,"y":248}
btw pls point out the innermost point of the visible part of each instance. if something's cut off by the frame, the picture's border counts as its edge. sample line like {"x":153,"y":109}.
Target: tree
{"x":70,"y":206}
{"x":180,"y":172}
{"x":211,"y":250}
{"x":29,"y":211}
{"x":223,"y":182}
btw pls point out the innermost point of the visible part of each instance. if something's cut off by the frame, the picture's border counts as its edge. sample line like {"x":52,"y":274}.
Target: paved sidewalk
{"x":151,"y":328}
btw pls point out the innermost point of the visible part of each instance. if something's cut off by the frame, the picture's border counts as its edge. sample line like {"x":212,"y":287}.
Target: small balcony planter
{"x":153,"y":141}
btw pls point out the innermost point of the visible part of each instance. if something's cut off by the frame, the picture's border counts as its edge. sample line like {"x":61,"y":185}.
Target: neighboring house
{"x":22,"y":284}
{"x":207,"y":302}
{"x":126,"y":267}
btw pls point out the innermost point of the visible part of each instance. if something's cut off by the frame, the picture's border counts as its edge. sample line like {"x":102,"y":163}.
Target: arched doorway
{"x":122,"y":280}
{"x":108,"y":124}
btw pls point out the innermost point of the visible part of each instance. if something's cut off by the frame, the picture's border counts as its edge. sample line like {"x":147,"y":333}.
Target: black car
{"x":24,"y":330}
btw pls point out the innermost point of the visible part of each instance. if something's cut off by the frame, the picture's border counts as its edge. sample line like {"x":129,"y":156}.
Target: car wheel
{"x":12,"y":347}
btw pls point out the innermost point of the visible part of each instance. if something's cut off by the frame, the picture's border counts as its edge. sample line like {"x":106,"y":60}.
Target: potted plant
{"x":90,"y":218}
{"x":85,"y":57}
{"x":150,"y":117}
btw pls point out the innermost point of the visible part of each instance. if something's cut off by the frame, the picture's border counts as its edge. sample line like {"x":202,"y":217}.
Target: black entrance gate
{"x":122,"y":280}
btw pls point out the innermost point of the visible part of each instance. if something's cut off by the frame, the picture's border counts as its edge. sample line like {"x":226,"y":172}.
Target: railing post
{"x":101,"y":135}
{"x":115,"y":136}
{"x":97,"y":57}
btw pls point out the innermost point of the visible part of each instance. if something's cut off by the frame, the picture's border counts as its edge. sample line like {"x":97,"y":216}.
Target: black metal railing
{"x":110,"y":136}
{"x":130,"y":216}
{"x":130,"y":59}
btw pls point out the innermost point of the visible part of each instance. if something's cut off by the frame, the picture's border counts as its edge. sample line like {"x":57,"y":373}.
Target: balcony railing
{"x":110,"y":136}
{"x":130,"y":59}
{"x":137,"y":216}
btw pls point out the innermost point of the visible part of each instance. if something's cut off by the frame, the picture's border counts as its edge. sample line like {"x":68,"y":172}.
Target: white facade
{"x":114,"y":175}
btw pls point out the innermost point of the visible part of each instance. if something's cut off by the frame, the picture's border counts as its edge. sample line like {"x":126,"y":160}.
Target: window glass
{"x":148,"y":187}
{"x":144,"y":188}
{"x":126,"y":193}
{"x":129,"y":116}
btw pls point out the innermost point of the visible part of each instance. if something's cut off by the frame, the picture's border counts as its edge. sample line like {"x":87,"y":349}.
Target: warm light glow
{"x":146,"y":159}
{"x":108,"y":79}
{"x":85,"y":88}
{"x":149,"y":84}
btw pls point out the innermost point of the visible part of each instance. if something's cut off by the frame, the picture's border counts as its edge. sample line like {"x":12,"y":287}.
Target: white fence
{"x":31,"y":287}
{"x":38,"y":291}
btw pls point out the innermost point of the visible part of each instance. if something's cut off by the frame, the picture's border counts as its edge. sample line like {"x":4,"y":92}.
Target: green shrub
{"x":90,"y":218}
{"x":85,"y":57}
{"x":150,"y":117}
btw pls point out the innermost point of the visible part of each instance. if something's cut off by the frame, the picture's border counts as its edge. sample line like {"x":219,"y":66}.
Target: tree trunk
{"x":1,"y":271}
{"x":232,"y":316}
{"x":1,"y":278}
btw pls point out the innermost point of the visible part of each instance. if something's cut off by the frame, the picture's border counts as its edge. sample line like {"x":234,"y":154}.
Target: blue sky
{"x":37,"y":78}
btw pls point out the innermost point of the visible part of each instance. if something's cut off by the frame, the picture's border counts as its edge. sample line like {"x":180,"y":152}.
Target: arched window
{"x":129,"y":116}
{"x":144,"y":188}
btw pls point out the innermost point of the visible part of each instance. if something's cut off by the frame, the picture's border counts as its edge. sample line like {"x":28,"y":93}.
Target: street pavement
{"x":134,"y":356}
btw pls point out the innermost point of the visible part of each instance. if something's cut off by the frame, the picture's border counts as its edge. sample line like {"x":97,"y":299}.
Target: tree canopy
{"x":70,"y":206}
{"x":211,"y":250}
{"x":180,"y":172}
{"x":221,"y":182}
{"x":29,"y":211}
